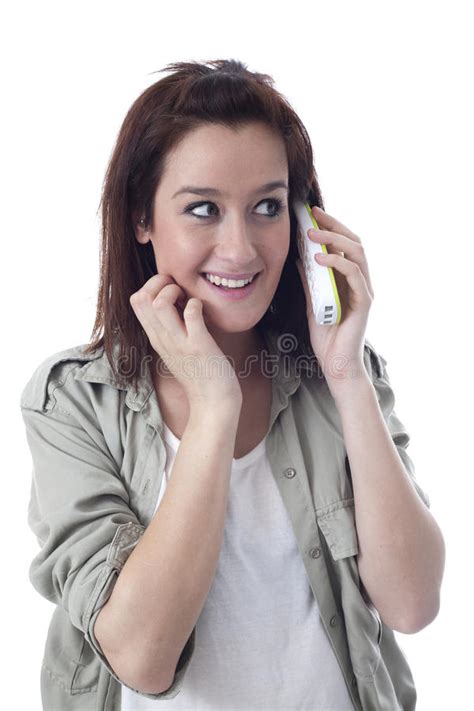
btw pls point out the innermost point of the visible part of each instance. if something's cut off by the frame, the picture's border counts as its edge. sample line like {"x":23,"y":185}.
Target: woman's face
{"x":238,"y":228}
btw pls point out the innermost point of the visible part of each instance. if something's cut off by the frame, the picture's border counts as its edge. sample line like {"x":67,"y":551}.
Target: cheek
{"x":283,"y":241}
{"x":280,"y":250}
{"x":171,"y":260}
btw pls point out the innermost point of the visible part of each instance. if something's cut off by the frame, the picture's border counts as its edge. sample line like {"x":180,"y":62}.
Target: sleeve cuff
{"x":125,"y":539}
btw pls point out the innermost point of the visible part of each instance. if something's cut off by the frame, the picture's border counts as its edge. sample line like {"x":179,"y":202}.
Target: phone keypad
{"x":309,"y":268}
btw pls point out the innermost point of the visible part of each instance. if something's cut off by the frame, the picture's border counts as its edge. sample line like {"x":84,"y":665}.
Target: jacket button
{"x":290,"y":472}
{"x":333,"y":621}
{"x":315,"y":552}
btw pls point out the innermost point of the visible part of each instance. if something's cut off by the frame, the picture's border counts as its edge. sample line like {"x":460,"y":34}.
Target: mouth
{"x":235,"y":293}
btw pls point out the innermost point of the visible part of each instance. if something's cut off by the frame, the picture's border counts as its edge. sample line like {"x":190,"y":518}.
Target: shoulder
{"x":52,"y":373}
{"x":374,"y":362}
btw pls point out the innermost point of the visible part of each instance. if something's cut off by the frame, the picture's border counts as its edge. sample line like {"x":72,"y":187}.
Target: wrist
{"x":222,"y":411}
{"x":353,"y":384}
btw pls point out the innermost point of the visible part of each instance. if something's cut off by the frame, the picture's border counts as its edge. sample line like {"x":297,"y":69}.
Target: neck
{"x":242,"y":349}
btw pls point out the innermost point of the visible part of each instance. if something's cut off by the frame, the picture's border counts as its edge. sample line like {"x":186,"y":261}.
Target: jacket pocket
{"x":362,"y":621}
{"x":68,"y":659}
{"x":337,"y":522}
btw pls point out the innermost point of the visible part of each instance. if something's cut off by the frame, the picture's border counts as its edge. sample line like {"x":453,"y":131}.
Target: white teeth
{"x":232,"y":283}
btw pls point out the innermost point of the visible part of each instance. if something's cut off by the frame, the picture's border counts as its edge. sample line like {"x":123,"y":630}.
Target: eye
{"x":277,"y":206}
{"x":190,"y":209}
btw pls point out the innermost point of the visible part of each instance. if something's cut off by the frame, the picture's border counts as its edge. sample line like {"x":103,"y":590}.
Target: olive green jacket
{"x":98,"y":455}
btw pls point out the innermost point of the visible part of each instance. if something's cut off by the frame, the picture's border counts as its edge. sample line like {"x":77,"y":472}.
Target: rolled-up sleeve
{"x":377,"y":367}
{"x":79,"y":512}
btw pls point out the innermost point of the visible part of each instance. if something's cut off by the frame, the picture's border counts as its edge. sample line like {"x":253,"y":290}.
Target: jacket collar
{"x":285,"y":373}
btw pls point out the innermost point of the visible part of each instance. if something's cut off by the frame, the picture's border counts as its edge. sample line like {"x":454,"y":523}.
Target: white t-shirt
{"x":260,"y":642}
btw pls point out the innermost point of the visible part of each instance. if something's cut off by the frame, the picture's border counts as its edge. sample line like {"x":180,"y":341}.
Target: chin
{"x":225,"y":323}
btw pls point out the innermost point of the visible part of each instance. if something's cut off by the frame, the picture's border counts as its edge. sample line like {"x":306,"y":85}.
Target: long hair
{"x":220,"y":92}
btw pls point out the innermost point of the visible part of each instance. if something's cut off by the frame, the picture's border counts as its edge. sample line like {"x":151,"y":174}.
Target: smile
{"x":233,"y":293}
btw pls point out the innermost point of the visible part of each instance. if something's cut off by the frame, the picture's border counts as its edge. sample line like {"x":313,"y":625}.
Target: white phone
{"x":321,"y":281}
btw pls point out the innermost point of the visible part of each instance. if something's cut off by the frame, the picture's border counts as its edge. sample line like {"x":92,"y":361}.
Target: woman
{"x":217,"y":531}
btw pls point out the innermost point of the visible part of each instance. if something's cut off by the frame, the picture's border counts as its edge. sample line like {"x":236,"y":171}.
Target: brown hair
{"x":222,"y":92}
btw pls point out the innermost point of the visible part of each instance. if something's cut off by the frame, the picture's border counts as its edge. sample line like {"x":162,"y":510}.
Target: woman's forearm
{"x":164,"y":583}
{"x":401,"y":547}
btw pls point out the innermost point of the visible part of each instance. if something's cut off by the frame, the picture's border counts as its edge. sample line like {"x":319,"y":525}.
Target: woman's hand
{"x":187,"y":349}
{"x":340,"y":348}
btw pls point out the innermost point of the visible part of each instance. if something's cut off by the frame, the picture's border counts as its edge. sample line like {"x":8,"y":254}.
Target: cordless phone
{"x":321,"y":281}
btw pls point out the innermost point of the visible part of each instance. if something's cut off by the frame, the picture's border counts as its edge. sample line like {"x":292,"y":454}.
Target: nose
{"x":236,"y":244}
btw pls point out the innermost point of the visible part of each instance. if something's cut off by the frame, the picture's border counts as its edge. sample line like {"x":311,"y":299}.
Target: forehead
{"x":214,"y":152}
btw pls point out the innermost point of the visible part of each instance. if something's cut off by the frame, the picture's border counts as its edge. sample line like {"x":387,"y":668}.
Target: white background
{"x":385,"y":91}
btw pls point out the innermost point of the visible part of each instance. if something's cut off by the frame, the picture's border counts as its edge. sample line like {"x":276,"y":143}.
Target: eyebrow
{"x":273,"y":185}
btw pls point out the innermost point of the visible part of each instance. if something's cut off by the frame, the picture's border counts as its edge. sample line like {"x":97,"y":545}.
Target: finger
{"x":330,"y":223}
{"x":193,"y":317}
{"x":351,"y":270}
{"x":165,"y":309}
{"x":354,"y":251}
{"x":155,"y":283}
{"x":150,"y":317}
{"x":337,"y":242}
{"x":149,"y":290}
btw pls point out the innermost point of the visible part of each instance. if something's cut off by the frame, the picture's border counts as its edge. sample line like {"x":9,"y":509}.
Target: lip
{"x":233,"y":294}
{"x":226,"y":275}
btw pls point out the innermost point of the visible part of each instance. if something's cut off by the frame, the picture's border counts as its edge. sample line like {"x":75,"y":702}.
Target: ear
{"x":141,"y":232}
